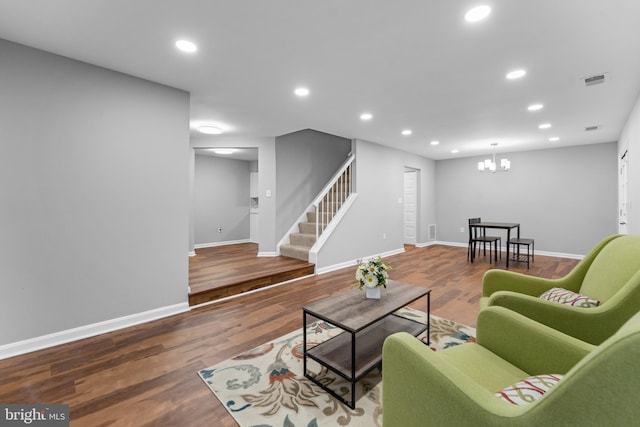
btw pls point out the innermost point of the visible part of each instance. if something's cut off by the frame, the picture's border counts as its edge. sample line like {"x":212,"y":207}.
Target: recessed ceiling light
{"x":516,"y":74}
{"x":478,"y":13}
{"x":554,"y":139}
{"x":544,"y":126}
{"x":535,"y":107}
{"x":211,"y":130}
{"x":222,"y":150}
{"x":407,"y":132}
{"x":455,"y":151}
{"x":435,"y":142}
{"x":301,"y":91}
{"x":366,"y":116}
{"x":186,"y":46}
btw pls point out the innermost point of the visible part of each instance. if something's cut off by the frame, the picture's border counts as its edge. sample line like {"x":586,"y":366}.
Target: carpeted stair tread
{"x":295,"y":251}
{"x":300,"y":239}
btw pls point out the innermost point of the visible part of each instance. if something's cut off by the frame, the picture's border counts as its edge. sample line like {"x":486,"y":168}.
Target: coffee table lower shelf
{"x":353,"y":355}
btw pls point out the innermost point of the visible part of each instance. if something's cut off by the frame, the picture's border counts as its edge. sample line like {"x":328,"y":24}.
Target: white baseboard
{"x":62,"y":337}
{"x":214,"y":244}
{"x":425,"y":244}
{"x":503,"y":249}
{"x":268,"y":254}
{"x":334,"y":267}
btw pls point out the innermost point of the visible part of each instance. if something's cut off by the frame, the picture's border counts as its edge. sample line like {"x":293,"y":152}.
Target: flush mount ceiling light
{"x":407,"y":132}
{"x":535,"y":107}
{"x":478,"y":13}
{"x":222,"y":151}
{"x":455,"y":151}
{"x":435,"y":142}
{"x":516,"y":74}
{"x":366,"y":116}
{"x":489,"y":165}
{"x":210,"y":130}
{"x":301,"y":91}
{"x":544,"y":126}
{"x":186,"y":46}
{"x":554,"y":139}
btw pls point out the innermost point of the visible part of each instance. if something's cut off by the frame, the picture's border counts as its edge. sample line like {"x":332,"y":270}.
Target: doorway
{"x":623,"y":196}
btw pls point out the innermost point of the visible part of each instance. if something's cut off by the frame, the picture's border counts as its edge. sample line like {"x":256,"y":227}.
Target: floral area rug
{"x":265,"y":386}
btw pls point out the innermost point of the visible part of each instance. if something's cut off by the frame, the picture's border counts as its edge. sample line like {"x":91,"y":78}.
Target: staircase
{"x":320,"y":213}
{"x":302,"y":241}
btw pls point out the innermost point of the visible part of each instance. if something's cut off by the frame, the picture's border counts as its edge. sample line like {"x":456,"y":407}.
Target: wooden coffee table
{"x":366,"y":324}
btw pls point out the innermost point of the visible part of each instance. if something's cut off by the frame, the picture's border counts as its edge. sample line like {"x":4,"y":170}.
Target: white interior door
{"x":623,"y":196}
{"x":410,"y":206}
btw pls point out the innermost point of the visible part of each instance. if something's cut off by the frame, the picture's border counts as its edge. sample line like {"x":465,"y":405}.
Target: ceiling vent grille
{"x":595,"y":80}
{"x":591,"y":128}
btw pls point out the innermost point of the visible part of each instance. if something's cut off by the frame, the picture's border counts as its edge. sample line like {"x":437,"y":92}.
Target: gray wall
{"x":94,"y":194}
{"x":266,"y":183}
{"x":221,"y":197}
{"x":565,"y":198}
{"x":378,"y":209}
{"x":630,"y":142}
{"x":306,"y":160}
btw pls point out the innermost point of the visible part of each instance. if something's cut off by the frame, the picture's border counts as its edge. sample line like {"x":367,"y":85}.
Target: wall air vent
{"x":591,"y":128}
{"x":432,"y":232}
{"x":595,"y":80}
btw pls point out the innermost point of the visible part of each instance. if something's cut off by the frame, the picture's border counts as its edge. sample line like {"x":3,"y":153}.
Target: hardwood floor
{"x":223,"y":271}
{"x":146,"y":375}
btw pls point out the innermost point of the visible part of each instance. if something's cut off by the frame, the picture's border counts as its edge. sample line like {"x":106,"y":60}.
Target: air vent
{"x":591,"y":128}
{"x":432,"y":232}
{"x":595,"y":80}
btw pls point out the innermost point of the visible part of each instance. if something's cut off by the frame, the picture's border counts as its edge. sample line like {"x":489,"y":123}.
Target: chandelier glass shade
{"x":490,"y":165}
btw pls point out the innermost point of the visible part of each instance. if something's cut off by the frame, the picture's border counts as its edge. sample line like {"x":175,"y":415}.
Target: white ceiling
{"x":413,"y":64}
{"x":246,"y":154}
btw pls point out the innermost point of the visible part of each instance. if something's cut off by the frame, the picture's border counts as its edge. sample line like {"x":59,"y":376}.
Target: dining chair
{"x":517,"y":255}
{"x":477,"y":235}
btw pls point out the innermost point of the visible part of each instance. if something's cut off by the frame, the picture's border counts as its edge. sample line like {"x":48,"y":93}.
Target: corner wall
{"x":564,"y":198}
{"x":221,"y":197}
{"x":94,"y":194}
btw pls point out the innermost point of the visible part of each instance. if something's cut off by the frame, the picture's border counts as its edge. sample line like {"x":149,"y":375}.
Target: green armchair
{"x":457,"y":385}
{"x":610,"y":273}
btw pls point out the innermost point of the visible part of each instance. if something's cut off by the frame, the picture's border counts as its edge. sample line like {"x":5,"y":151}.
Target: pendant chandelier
{"x":490,"y":165}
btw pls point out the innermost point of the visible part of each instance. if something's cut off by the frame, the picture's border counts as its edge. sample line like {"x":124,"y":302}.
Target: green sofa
{"x":456,"y":386}
{"x":610,"y":273}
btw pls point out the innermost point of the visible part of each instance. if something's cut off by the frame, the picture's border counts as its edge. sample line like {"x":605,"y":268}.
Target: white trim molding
{"x":503,"y":249}
{"x":69,"y":335}
{"x":214,"y":244}
{"x":268,"y":254}
{"x":334,"y":267}
{"x":425,"y":244}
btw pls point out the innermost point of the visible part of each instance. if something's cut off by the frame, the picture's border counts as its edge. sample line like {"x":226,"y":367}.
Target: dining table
{"x":508,"y":226}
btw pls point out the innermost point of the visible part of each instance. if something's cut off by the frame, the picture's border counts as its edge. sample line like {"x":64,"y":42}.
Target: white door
{"x":410,"y":206}
{"x":623,"y":196}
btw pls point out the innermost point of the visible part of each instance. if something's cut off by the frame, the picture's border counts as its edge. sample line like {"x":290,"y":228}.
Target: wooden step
{"x":224,"y":271}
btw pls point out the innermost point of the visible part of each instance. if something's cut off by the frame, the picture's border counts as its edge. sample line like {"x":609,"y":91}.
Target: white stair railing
{"x":333,"y":196}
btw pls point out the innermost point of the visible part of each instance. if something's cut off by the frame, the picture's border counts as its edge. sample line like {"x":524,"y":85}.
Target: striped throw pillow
{"x":564,"y":296}
{"x":528,"y":390}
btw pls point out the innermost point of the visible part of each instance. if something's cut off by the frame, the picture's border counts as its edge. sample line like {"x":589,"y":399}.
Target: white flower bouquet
{"x":372,"y":274}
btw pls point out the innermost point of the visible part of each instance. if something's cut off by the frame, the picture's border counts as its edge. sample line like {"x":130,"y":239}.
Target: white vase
{"x":373,"y":293}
